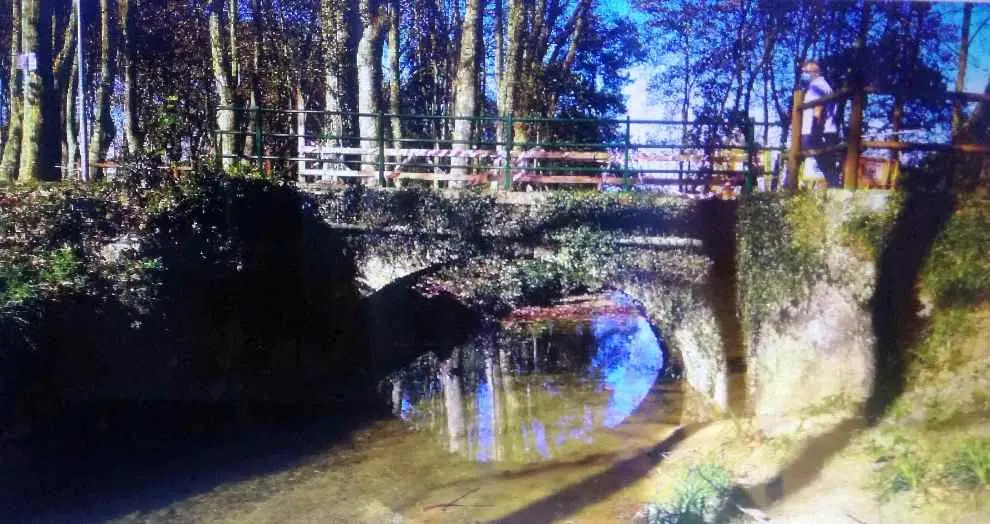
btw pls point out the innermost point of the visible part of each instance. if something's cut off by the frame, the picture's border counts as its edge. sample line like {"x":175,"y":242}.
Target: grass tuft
{"x":906,"y":473}
{"x":970,"y":467}
{"x":700,"y":498}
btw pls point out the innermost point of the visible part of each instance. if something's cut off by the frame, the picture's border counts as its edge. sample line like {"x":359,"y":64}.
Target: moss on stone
{"x":780,"y":252}
{"x":957,"y":270}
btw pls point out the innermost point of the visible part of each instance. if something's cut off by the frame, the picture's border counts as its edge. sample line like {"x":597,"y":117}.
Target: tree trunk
{"x":62,"y":70}
{"x":576,"y":26}
{"x":71,"y":128}
{"x":369,"y":73}
{"x":226,"y":119}
{"x":957,"y":113}
{"x":499,"y":66}
{"x":334,"y":22}
{"x":255,"y":101}
{"x":509,"y":89}
{"x":465,"y":83}
{"x":395,"y":72}
{"x":12,"y":149}
{"x":35,"y":40}
{"x":132,"y":133}
{"x":233,"y":15}
{"x":103,"y":123}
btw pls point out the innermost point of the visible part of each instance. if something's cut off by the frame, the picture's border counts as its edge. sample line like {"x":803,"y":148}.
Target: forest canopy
{"x":157,"y":71}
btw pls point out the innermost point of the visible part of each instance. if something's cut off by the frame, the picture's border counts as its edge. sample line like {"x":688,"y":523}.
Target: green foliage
{"x":62,"y":267}
{"x":970,"y":466}
{"x":957,"y":271}
{"x":916,"y":460}
{"x":941,"y":344}
{"x":15,"y":287}
{"x":633,"y":212}
{"x":246,"y":170}
{"x":781,"y":250}
{"x":701,"y":496}
{"x":866,"y":231}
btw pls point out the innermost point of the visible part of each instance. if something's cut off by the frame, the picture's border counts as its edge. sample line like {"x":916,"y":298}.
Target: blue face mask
{"x":805,"y":78}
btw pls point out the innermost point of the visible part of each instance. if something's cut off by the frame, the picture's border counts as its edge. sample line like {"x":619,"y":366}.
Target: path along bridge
{"x":506,"y":153}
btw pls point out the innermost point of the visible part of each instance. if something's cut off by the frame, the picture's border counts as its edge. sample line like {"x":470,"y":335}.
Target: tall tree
{"x":961,"y":65}
{"x":255,"y":98}
{"x":337,"y":26}
{"x":65,"y":61}
{"x":35,"y":43}
{"x":508,"y":84}
{"x":133,"y":140}
{"x":103,"y":123}
{"x":12,"y":148}
{"x":71,"y":151}
{"x":223,"y":77}
{"x":395,"y":71}
{"x":369,"y":74}
{"x":465,"y":83}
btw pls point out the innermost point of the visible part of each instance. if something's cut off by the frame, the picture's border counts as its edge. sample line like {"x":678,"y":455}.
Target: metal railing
{"x":505,"y":152}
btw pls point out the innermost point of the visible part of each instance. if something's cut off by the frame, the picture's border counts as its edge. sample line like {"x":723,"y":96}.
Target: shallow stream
{"x":559,"y":414}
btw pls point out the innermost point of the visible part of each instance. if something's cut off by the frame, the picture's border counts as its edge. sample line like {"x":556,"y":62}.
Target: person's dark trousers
{"x":831,"y":163}
{"x":827,"y":162}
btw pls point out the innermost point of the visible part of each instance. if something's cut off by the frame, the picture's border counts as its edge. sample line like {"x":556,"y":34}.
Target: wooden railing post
{"x":850,"y":169}
{"x":794,"y":153}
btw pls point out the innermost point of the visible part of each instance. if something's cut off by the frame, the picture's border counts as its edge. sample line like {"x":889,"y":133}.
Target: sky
{"x":640,"y":106}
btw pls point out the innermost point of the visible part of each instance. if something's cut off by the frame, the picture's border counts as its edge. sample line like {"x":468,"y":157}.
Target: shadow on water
{"x":896,"y":327}
{"x":598,"y":487}
{"x":243,"y":362}
{"x":148,"y":457}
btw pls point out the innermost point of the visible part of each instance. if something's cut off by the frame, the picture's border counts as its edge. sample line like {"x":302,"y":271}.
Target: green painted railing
{"x":505,"y":151}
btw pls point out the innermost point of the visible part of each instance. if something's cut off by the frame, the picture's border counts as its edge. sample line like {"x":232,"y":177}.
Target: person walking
{"x":818,"y":128}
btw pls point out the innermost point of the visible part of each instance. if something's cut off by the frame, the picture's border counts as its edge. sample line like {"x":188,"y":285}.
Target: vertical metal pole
{"x":83,"y":134}
{"x":259,"y":148}
{"x":381,"y":149}
{"x":625,"y":168}
{"x":794,"y":153}
{"x":507,"y":168}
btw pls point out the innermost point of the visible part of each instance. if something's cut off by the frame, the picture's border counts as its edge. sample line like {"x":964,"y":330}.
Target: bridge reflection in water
{"x":537,"y":389}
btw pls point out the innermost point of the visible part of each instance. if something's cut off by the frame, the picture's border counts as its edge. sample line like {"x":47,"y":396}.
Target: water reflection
{"x":533,"y":390}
